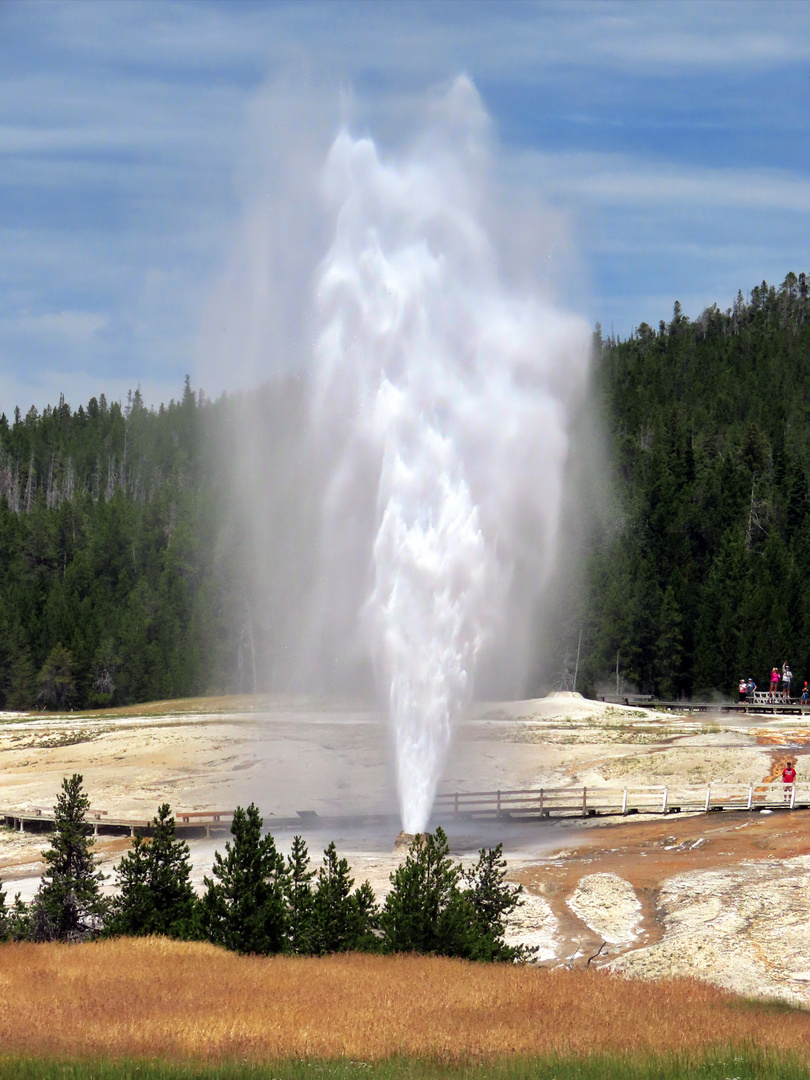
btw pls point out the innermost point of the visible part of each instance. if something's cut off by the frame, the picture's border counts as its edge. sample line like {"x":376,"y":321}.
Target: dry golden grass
{"x":161,"y":999}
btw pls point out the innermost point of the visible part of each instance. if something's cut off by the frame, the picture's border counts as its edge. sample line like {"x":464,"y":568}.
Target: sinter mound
{"x":407,"y":840}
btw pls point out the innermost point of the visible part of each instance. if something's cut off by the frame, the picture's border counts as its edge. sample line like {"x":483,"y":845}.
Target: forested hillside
{"x":130,"y":571}
{"x":703,"y":573}
{"x":108,"y":525}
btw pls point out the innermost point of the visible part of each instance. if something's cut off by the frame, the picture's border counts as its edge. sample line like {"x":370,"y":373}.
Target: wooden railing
{"x":37,"y":818}
{"x":597,"y":801}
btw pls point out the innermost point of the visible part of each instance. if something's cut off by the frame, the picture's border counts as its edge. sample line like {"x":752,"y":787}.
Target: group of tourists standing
{"x":775,"y":691}
{"x":778,"y":693}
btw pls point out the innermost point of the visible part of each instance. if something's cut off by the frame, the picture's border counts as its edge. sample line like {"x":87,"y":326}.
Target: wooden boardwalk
{"x":524,"y":804}
{"x":534,"y":803}
{"x":194,"y":823}
{"x":762,"y":702}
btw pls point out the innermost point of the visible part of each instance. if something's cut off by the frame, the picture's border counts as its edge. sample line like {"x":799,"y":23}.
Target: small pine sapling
{"x":18,"y":927}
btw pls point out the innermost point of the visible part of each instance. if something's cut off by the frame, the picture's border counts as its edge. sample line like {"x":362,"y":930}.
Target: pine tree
{"x":435,"y":907}
{"x":68,"y":905}
{"x":243,"y":907}
{"x":18,"y":923}
{"x":669,"y":647}
{"x":57,"y":687}
{"x":156,"y":895}
{"x":331,"y":904}
{"x":492,"y":899}
{"x":342,"y":919}
{"x":424,"y":912}
{"x":299,"y":897}
{"x":365,"y":935}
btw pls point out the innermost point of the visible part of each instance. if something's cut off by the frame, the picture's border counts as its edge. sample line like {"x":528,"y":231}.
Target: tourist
{"x":743,"y":688}
{"x":788,"y":779}
{"x":774,"y":683}
{"x":751,"y":688}
{"x":805,"y":694}
{"x":787,"y":676}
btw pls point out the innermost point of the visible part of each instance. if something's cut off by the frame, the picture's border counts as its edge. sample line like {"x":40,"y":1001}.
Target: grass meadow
{"x":716,"y":1067}
{"x":161,"y":1010}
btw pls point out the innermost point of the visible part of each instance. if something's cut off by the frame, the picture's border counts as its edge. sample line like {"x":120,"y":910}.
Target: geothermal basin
{"x":725,"y":897}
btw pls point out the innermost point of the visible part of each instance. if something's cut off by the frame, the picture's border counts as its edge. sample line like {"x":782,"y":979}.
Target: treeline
{"x":113,"y":578}
{"x":699,"y":567}
{"x":151,"y":553}
{"x":148,"y":554}
{"x":259,"y":902}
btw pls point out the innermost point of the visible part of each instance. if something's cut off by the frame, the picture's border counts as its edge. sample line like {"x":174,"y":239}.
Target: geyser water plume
{"x":448,"y":392}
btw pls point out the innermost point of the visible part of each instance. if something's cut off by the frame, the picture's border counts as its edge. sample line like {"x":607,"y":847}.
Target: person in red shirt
{"x":788,"y":779}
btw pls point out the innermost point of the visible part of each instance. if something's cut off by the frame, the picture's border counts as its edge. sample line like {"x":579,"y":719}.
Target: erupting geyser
{"x":450,"y":389}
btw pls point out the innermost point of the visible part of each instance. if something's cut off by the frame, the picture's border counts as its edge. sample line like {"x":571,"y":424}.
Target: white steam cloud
{"x":443,"y":394}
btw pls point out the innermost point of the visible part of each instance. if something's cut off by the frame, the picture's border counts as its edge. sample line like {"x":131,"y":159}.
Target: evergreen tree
{"x":342,"y":920}
{"x":68,"y":905}
{"x":243,"y":907}
{"x":492,"y":899}
{"x":156,"y":895}
{"x":57,"y":687}
{"x":332,"y":908}
{"x":299,"y":897}
{"x":436,"y":907}
{"x":18,"y":921}
{"x":669,"y":647}
{"x":3,"y":914}
{"x":365,"y":931}
{"x":424,"y":911}
{"x":20,"y":691}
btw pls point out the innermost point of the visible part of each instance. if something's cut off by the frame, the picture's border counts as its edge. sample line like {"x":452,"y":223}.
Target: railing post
{"x":499,"y":804}
{"x":541,"y":802}
{"x":708,"y":796}
{"x":584,"y":801}
{"x":792,"y":794}
{"x":750,"y":796}
{"x":664,"y":806}
{"x":624,"y":802}
{"x":455,"y":804}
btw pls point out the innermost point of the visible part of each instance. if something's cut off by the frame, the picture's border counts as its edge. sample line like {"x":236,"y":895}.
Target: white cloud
{"x":691,"y":34}
{"x":129,"y":133}
{"x":614,"y":179}
{"x":77,"y":326}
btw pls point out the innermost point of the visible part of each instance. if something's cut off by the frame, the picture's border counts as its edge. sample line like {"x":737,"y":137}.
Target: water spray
{"x":452,"y":391}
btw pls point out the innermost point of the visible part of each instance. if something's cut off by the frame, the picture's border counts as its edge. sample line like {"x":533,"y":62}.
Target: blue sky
{"x":669,"y":142}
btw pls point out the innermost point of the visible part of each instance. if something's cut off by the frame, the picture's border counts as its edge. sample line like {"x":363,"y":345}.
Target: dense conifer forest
{"x":700,"y":572}
{"x":109,"y":590}
{"x":125,"y":562}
